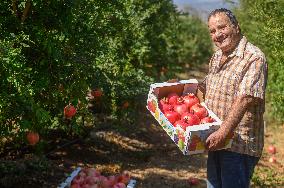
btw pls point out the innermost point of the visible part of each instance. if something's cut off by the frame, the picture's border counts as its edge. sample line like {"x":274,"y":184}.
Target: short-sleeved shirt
{"x":238,"y":77}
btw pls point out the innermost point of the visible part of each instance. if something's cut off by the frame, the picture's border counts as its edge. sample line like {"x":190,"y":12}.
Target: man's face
{"x":223,"y":33}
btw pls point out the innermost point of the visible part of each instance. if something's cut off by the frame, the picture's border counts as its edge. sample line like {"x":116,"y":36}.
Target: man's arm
{"x":217,"y":139}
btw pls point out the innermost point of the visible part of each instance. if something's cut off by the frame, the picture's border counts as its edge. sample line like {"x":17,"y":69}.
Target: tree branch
{"x":26,"y":10}
{"x":15,"y":8}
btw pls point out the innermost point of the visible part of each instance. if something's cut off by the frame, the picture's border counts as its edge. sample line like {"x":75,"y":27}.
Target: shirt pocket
{"x":230,"y":83}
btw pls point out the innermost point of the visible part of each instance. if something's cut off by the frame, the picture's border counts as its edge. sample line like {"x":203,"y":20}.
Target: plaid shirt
{"x":235,"y":78}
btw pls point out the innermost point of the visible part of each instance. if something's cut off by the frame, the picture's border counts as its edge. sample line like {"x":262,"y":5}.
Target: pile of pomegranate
{"x":91,"y":178}
{"x":184,"y":111}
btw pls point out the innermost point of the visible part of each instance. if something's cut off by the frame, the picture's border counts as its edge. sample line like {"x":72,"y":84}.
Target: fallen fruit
{"x":193,"y":181}
{"x":33,"y":138}
{"x":91,"y":178}
{"x":125,"y":105}
{"x":272,"y":149}
{"x":272,"y":159}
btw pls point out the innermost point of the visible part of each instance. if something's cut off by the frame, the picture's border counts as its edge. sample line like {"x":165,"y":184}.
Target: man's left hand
{"x":216,"y":140}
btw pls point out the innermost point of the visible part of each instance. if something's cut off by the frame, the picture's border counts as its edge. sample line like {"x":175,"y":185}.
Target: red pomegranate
{"x":199,"y":110}
{"x":190,"y":118}
{"x":125,"y":105}
{"x":180,"y":100}
{"x":181,"y":124}
{"x":97,"y":93}
{"x":271,"y":149}
{"x":69,"y":111}
{"x":172,"y":116}
{"x":33,"y":138}
{"x":190,"y":100}
{"x":207,"y":119}
{"x":181,"y":108}
{"x":193,"y":181}
{"x":165,"y":106}
{"x":172,"y":97}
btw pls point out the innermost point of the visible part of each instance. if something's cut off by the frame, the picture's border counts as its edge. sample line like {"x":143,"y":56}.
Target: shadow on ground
{"x":146,"y":151}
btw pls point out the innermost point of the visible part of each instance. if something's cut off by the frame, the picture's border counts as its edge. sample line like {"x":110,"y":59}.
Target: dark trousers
{"x":227,"y":169}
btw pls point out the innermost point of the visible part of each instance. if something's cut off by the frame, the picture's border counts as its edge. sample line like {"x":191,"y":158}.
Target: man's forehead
{"x":219,"y":18}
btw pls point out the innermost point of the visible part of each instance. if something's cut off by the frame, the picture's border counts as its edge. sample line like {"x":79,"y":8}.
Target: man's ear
{"x":238,"y":29}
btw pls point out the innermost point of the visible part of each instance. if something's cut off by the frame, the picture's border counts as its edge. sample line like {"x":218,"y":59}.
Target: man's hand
{"x":216,"y":140}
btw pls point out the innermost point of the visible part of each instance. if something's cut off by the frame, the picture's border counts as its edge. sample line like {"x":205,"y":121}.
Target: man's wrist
{"x":225,"y":130}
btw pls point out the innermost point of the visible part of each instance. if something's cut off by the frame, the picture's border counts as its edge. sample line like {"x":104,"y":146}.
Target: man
{"x":235,"y":92}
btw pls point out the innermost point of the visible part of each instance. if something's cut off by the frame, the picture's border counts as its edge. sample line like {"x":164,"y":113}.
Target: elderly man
{"x":235,"y":91}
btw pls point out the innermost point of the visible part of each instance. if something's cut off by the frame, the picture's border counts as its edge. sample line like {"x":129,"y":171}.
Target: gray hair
{"x":228,"y":13}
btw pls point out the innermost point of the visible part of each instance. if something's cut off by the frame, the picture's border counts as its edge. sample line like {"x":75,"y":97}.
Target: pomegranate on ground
{"x":33,"y":138}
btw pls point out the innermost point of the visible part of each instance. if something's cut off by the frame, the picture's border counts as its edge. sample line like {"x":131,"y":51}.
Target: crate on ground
{"x":192,"y":140}
{"x":87,"y":182}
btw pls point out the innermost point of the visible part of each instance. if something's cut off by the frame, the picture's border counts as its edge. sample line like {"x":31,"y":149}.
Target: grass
{"x":269,"y":174}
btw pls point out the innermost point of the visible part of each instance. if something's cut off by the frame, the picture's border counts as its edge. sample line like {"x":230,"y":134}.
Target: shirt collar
{"x":240,"y":49}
